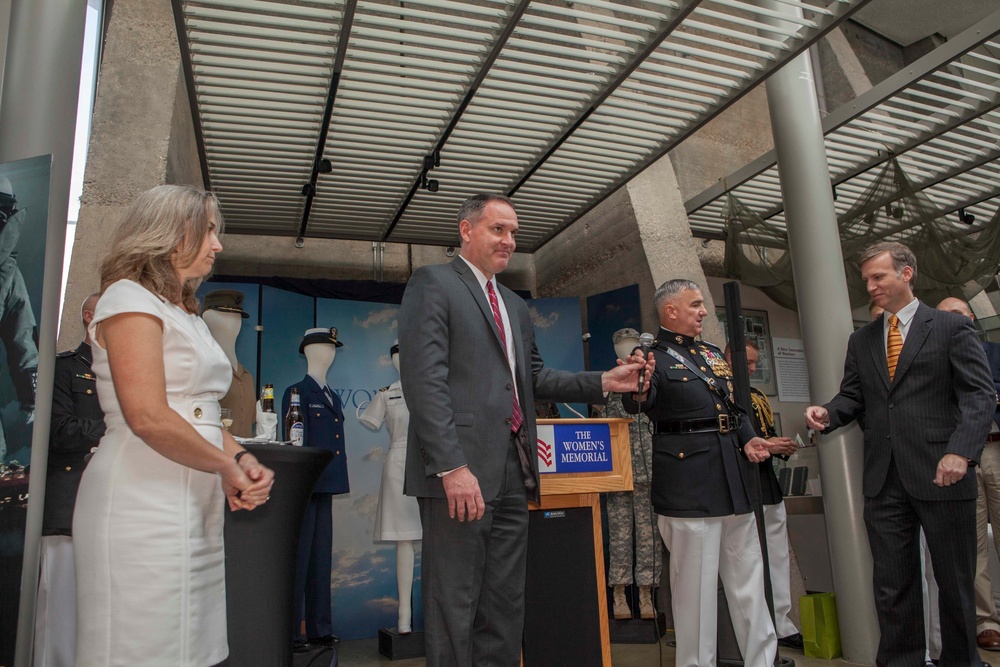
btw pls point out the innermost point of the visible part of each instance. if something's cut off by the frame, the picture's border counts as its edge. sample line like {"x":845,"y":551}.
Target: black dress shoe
{"x":791,"y":641}
{"x":325,"y":640}
{"x":300,"y":646}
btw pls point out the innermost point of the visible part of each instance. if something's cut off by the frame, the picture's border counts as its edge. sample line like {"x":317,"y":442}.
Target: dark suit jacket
{"x":322,"y":427}
{"x":940,"y":401}
{"x":993,"y":357}
{"x":458,"y":384}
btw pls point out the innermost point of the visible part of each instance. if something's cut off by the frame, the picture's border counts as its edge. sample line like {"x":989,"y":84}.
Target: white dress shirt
{"x":481,"y":277}
{"x":905,"y":316}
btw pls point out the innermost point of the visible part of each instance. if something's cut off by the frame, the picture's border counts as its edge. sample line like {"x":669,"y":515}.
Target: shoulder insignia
{"x":385,"y":388}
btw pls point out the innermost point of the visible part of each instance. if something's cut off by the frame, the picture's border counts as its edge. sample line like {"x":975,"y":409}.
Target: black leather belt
{"x":719,"y":424}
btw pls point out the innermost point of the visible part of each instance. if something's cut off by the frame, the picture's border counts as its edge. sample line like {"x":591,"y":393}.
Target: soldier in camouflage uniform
{"x":628,"y":508}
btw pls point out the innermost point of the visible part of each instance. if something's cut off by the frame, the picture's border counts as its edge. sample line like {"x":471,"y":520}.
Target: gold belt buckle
{"x":725,"y":424}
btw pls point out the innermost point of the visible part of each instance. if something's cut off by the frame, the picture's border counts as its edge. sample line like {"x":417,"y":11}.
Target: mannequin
{"x":223,"y":314}
{"x":633,"y":508}
{"x":225,"y":327}
{"x":398,"y":516}
{"x":323,"y":427}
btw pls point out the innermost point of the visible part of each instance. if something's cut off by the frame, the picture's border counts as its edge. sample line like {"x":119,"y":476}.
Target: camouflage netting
{"x":953,"y":259}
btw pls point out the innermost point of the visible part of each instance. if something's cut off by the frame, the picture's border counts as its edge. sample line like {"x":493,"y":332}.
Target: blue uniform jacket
{"x":323,"y":428}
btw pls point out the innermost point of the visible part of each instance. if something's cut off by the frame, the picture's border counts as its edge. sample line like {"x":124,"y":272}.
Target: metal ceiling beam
{"x":481,"y":75}
{"x":309,"y":189}
{"x":192,"y":91}
{"x":898,"y":82}
{"x":832,"y":20}
{"x":626,"y":72}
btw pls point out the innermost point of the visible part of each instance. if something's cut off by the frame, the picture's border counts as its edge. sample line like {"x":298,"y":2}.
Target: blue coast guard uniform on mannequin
{"x":323,"y":428}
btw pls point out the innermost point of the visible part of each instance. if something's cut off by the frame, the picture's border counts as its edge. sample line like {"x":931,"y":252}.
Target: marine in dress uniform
{"x":776,"y":522}
{"x":323,"y":427}
{"x":700,"y":490}
{"x":77,"y":427}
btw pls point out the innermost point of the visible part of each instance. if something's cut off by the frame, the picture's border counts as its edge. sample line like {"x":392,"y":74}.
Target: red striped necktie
{"x":516,"y":418}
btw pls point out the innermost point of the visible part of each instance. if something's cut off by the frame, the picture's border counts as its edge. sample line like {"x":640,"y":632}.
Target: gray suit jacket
{"x":457,"y":382}
{"x":940,"y":401}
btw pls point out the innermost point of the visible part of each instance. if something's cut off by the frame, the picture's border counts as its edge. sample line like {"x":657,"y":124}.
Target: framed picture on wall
{"x":756,"y":330}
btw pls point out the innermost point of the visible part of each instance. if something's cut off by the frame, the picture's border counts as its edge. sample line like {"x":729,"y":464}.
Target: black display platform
{"x":260,"y":558}
{"x":637,"y":630}
{"x":395,"y":646}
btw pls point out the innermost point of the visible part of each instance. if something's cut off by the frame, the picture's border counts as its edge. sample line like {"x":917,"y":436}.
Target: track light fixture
{"x":965,"y":218}
{"x":324,"y":166}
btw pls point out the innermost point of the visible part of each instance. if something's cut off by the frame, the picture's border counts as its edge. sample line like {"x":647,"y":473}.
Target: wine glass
{"x":227,"y":418}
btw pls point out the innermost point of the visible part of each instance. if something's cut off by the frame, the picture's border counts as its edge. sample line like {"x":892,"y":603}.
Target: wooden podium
{"x":568,"y":551}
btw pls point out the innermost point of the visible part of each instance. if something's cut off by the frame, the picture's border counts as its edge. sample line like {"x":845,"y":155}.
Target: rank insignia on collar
{"x":679,"y":339}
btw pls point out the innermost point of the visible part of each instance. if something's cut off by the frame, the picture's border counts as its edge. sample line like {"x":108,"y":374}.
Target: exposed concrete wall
{"x":735,"y":137}
{"x":141,"y":132}
{"x":183,"y":163}
{"x":266,"y":256}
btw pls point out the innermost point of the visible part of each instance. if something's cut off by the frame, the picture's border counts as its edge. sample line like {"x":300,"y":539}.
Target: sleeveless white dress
{"x":147,"y":531}
{"x":398,"y":516}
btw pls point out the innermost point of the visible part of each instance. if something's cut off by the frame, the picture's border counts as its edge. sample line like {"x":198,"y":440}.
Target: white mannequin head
{"x":225,"y":327}
{"x":395,"y":361}
{"x":625,"y":340}
{"x":320,"y":345}
{"x":320,"y":357}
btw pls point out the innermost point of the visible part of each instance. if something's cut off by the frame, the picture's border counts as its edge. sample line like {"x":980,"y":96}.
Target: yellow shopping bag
{"x":820,"y":629}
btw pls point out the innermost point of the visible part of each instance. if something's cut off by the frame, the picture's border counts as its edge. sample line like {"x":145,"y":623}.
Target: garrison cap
{"x":326,"y":335}
{"x":225,"y":301}
{"x":622,"y":334}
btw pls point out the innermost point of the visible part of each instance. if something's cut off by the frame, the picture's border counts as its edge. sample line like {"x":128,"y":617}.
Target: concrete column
{"x":670,"y":248}
{"x":142,"y":135}
{"x":825,"y":317}
{"x":41,"y":84}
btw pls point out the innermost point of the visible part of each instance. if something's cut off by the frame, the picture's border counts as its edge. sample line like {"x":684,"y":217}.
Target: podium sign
{"x":579,"y":459}
{"x":574,"y":448}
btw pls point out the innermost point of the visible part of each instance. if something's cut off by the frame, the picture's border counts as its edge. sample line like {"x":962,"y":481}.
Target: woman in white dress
{"x":149,"y":514}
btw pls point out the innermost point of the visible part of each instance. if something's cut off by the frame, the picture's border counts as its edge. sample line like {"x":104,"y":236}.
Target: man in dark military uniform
{"x":701,"y":444}
{"x":775,"y":517}
{"x":77,"y":427}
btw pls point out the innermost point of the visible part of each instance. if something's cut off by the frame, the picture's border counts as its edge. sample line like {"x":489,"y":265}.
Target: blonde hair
{"x":160,"y":221}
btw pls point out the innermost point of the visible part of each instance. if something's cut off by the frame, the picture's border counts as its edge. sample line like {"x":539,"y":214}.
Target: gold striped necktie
{"x":893,"y":345}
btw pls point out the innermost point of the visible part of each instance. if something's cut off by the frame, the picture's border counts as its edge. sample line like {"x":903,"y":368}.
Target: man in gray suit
{"x":921,"y":380}
{"x":471,"y":374}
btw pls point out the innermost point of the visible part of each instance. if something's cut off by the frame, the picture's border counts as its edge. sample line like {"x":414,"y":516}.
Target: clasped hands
{"x":248,"y":484}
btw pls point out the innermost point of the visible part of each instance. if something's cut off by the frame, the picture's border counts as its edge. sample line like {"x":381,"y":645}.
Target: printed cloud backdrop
{"x":363,"y":581}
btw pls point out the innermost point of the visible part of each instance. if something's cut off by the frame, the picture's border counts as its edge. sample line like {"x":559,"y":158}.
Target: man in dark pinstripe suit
{"x":927,"y":414}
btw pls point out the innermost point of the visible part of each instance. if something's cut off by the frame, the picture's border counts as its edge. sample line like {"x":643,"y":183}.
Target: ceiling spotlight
{"x":308,"y":189}
{"x":429,"y":184}
{"x":325,"y":166}
{"x":894,"y":211}
{"x":965,"y":218}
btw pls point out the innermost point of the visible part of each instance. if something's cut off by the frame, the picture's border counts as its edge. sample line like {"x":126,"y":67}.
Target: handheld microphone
{"x":645,"y":342}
